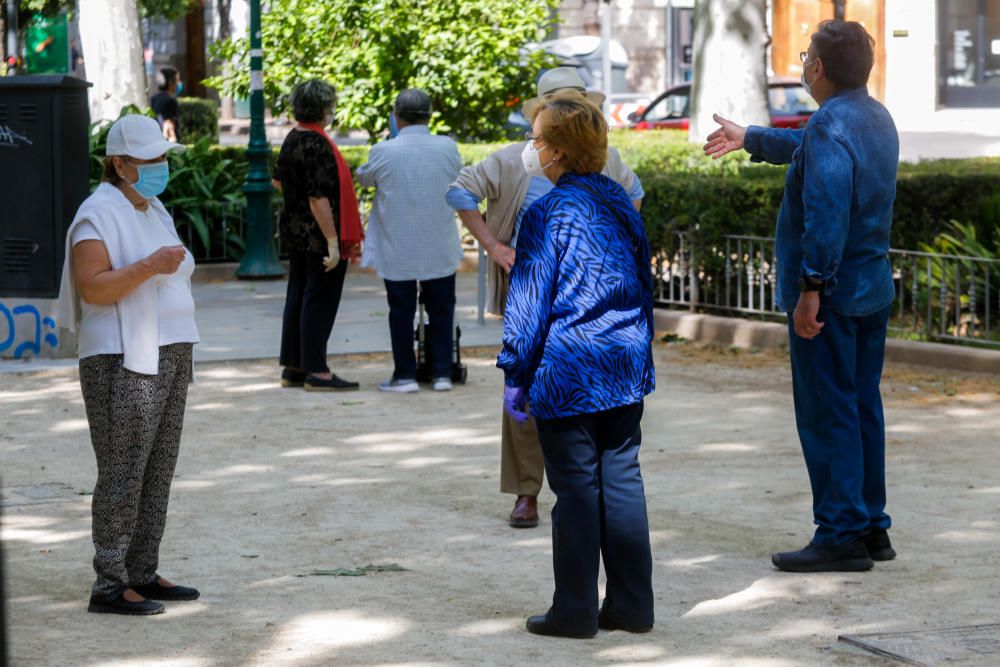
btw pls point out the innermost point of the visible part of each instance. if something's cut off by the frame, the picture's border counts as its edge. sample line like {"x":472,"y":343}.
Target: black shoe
{"x":313,"y":383}
{"x":117,"y":604}
{"x":605,"y":622}
{"x":541,"y":625}
{"x":852,"y":558}
{"x":290,"y":378}
{"x":154,"y":591}
{"x":879,"y":547}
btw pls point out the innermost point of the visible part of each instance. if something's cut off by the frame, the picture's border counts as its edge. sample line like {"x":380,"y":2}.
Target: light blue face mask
{"x":153,"y":179}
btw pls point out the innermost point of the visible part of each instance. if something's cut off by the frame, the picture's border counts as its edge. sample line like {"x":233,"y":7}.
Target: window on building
{"x":969,"y":69}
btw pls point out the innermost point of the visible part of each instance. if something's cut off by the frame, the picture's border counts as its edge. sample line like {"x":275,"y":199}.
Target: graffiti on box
{"x":26,"y":324}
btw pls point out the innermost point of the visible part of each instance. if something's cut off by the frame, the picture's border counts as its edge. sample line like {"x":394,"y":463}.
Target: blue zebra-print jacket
{"x":578,"y":327}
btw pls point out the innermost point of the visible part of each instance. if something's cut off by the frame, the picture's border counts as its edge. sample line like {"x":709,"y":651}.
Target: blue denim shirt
{"x":836,"y":214}
{"x":578,"y":326}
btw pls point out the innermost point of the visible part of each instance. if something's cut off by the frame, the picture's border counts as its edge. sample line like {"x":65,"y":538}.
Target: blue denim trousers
{"x":838,"y":412}
{"x":592,"y":464}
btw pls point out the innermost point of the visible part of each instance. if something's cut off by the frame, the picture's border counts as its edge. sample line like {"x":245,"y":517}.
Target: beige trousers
{"x":522,"y":467}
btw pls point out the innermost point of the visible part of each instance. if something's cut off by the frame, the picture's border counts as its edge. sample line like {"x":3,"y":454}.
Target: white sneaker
{"x":399,"y":386}
{"x":442,"y":384}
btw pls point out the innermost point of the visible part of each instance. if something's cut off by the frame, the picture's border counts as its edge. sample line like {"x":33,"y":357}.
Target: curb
{"x":746,"y":334}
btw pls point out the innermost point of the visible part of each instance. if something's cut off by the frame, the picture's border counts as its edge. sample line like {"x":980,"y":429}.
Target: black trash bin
{"x":44,"y":177}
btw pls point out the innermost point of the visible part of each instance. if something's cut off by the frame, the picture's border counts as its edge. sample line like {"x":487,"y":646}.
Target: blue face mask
{"x":180,"y":88}
{"x":153,"y":179}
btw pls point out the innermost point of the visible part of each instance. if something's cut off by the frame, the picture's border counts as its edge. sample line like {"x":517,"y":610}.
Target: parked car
{"x":791,"y":107}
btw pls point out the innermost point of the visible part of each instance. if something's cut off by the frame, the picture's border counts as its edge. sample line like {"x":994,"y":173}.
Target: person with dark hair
{"x":835,"y":282}
{"x":577,"y":345}
{"x":165,"y":105}
{"x":320,"y":229}
{"x":413,"y":238}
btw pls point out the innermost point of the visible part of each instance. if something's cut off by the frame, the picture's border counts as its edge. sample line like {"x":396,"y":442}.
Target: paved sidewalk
{"x":240,"y":319}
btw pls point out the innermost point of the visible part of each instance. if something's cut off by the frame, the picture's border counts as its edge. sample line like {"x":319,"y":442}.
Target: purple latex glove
{"x":514,"y":404}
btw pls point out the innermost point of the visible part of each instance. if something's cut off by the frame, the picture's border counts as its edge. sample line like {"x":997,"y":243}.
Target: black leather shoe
{"x":605,"y":622}
{"x":878,"y":544}
{"x":154,"y":591}
{"x":540,"y":625}
{"x":852,"y":558}
{"x":117,"y":604}
{"x":290,"y":378}
{"x":313,"y":383}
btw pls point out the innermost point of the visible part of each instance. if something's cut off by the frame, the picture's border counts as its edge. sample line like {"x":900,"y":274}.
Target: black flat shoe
{"x":117,"y":604}
{"x":154,"y":591}
{"x":878,"y":545}
{"x":290,"y":378}
{"x":540,"y":625}
{"x":313,"y":383}
{"x":608,"y":623}
{"x":852,"y":558}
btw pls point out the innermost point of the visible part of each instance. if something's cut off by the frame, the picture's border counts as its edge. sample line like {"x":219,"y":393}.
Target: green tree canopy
{"x":468,"y":55}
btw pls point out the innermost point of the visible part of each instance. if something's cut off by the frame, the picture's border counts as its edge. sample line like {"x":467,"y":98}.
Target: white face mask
{"x":532,"y":163}
{"x":805,"y":84}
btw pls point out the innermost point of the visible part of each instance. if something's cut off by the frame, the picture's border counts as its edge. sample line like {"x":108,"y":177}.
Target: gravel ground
{"x":276,"y":484}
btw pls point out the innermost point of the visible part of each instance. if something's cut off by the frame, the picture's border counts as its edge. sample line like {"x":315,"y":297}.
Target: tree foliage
{"x":468,"y":55}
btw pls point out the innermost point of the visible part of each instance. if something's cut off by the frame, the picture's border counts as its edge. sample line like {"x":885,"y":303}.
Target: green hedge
{"x":199,"y":119}
{"x":685,"y":191}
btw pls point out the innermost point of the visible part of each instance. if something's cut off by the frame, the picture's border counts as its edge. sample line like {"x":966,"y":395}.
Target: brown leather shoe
{"x":525,"y":514}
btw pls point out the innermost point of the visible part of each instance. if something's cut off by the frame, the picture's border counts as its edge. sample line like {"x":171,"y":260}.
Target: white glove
{"x":333,"y":254}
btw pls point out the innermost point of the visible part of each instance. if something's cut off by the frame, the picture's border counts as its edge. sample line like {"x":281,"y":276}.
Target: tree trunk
{"x":730,"y":71}
{"x":227,"y":111}
{"x":112,"y":48}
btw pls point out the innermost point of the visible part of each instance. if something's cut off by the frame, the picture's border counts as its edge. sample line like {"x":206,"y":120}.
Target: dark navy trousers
{"x":439,"y":301}
{"x":592,"y":464}
{"x":838,"y":412}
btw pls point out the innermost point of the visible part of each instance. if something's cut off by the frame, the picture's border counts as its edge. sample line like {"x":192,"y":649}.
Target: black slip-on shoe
{"x":313,"y":383}
{"x":851,"y":558}
{"x":154,"y":591}
{"x":290,"y":378}
{"x":878,"y":545}
{"x":541,"y":625}
{"x":117,"y":604}
{"x":605,"y":622}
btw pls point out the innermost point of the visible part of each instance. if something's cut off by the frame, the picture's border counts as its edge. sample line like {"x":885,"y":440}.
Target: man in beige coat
{"x":509,"y":191}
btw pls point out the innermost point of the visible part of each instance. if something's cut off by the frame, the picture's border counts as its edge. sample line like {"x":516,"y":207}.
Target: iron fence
{"x":949,"y":298}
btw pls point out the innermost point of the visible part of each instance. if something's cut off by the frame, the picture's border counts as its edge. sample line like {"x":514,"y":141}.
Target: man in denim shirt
{"x":835,"y":283}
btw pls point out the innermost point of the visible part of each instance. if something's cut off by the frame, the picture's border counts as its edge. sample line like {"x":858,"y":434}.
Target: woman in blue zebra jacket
{"x":577,"y":347}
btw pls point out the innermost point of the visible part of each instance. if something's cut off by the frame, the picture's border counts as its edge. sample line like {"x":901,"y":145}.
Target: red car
{"x":790,"y":105}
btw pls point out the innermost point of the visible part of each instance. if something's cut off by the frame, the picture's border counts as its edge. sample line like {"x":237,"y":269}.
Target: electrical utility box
{"x":44,"y":177}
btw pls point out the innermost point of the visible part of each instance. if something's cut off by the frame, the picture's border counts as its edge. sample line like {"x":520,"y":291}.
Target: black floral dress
{"x":306,"y":168}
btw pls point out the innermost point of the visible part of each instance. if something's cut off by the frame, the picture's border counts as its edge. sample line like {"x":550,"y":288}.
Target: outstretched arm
{"x":765,"y":144}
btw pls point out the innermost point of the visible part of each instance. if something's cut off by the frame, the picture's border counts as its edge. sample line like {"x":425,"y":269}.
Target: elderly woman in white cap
{"x":126,"y":289}
{"x":509,"y":190}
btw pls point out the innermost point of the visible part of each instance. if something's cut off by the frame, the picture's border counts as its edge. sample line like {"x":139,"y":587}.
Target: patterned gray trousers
{"x":135,"y":428}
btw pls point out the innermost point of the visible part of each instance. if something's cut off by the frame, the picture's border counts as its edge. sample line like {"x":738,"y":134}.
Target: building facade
{"x":937,"y":65}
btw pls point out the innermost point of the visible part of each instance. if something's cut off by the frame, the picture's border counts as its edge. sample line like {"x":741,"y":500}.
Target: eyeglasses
{"x":803,"y":56}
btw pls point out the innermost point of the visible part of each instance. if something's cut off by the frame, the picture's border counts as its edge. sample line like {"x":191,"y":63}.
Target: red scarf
{"x":351,"y":234}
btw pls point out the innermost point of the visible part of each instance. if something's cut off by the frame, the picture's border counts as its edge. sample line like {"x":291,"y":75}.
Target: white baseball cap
{"x":139,"y":137}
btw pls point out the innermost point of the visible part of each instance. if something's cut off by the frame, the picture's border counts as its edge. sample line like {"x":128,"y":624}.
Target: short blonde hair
{"x":575,"y":126}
